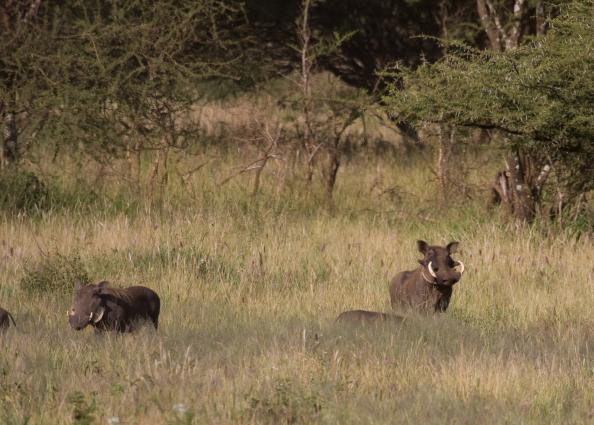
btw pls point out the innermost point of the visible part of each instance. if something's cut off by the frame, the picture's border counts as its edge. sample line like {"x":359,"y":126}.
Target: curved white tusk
{"x":99,"y":316}
{"x":431,"y":272}
{"x":91,"y":316}
{"x":461,"y":264}
{"x":68,"y":313}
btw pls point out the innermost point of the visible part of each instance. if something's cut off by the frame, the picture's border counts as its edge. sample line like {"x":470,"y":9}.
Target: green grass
{"x":244,"y":340}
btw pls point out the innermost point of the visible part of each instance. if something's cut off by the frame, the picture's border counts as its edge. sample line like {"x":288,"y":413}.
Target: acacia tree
{"x":117,"y":77}
{"x":538,"y":95}
{"x":325,"y":117}
{"x":24,"y":40}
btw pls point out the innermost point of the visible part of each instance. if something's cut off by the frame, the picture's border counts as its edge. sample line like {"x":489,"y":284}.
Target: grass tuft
{"x":54,"y":274}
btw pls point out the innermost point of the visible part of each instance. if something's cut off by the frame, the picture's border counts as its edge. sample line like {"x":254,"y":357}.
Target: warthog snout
{"x":439,"y":263}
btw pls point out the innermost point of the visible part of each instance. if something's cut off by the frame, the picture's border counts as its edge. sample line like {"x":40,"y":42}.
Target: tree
{"x":21,"y":28}
{"x":540,"y":96}
{"x":117,"y":77}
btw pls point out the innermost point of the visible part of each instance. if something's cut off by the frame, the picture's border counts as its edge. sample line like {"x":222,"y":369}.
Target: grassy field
{"x":250,"y":290}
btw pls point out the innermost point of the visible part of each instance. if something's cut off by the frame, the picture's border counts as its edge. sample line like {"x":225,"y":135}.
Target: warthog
{"x":429,"y":287}
{"x":365,"y":317}
{"x":113,"y":309}
{"x":5,"y":319}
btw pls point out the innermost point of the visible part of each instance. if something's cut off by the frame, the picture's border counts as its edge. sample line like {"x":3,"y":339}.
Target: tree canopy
{"x":539,"y":95}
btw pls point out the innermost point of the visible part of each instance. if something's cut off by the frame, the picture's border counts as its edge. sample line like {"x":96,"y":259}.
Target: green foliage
{"x":91,"y":74}
{"x":285,"y":404}
{"x":539,"y":95}
{"x":82,"y":409}
{"x":22,"y":191}
{"x":54,"y":274}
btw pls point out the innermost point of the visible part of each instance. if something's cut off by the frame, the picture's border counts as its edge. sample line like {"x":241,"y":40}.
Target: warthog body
{"x":5,"y":319}
{"x":367,"y":317}
{"x":113,"y":309}
{"x":429,"y":287}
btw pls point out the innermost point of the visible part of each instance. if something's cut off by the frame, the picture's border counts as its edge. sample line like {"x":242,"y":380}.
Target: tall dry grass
{"x":250,"y":290}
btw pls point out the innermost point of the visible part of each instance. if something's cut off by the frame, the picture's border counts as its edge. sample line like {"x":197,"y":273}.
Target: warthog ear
{"x":422,"y":246}
{"x":100,"y":286}
{"x":452,"y":247}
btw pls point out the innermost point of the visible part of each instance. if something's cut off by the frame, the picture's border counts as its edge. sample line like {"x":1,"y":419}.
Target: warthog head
{"x":439,"y":267}
{"x":87,"y":305}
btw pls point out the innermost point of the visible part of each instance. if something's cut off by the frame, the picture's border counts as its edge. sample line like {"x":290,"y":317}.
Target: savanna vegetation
{"x":264,"y":168}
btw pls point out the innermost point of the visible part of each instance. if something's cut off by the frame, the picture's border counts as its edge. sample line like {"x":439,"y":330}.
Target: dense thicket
{"x":539,"y":96}
{"x":98,"y":72}
{"x":118,"y":78}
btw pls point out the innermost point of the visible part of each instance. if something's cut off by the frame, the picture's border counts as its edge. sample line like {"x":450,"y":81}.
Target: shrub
{"x":285,"y":404}
{"x":83,"y":410}
{"x":22,"y":191}
{"x":54,"y":273}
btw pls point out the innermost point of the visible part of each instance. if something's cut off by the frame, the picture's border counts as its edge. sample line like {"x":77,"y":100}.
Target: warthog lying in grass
{"x":5,"y":319}
{"x":113,"y":309}
{"x":429,"y":287}
{"x":367,"y":317}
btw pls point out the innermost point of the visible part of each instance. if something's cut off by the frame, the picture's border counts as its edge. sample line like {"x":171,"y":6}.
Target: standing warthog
{"x":113,"y":309}
{"x":428,"y":288}
{"x":5,"y":319}
{"x":365,"y":317}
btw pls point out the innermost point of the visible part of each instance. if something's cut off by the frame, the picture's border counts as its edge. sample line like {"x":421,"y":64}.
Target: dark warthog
{"x":5,"y":319}
{"x":428,"y":288}
{"x":363,"y":316}
{"x":113,"y":309}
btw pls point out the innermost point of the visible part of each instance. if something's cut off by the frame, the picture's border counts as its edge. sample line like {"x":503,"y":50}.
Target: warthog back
{"x":367,"y":317}
{"x":5,"y":319}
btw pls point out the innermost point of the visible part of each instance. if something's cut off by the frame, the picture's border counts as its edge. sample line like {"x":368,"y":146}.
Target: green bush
{"x":54,"y":273}
{"x":83,"y":410}
{"x":22,"y":191}
{"x":284,"y":403}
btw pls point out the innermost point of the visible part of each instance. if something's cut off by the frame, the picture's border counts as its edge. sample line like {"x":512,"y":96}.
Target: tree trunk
{"x":488,"y":25}
{"x":521,"y":192}
{"x":446,"y":141}
{"x":309,"y":172}
{"x":502,"y":35}
{"x":516,"y":187}
{"x":541,"y":22}
{"x":331,"y":172}
{"x":10,"y":151}
{"x":513,"y":36}
{"x":307,"y":62}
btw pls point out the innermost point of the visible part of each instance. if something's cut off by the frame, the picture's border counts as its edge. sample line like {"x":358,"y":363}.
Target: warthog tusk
{"x":99,"y":316}
{"x":431,"y":272}
{"x":91,"y":316}
{"x":461,"y":264}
